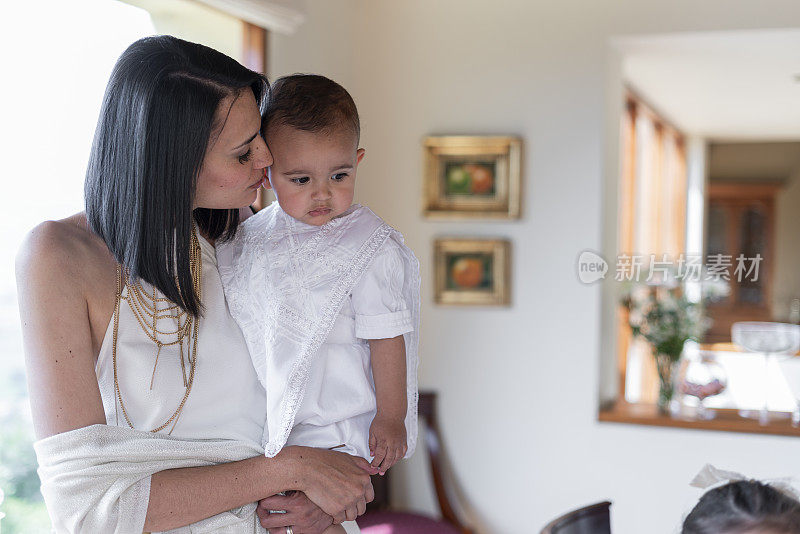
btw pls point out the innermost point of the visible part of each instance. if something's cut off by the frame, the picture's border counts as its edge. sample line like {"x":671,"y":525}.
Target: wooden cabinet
{"x":741,"y":222}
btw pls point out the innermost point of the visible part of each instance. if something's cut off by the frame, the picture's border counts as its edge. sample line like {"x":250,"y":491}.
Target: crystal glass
{"x":702,"y":377}
{"x":771,"y":340}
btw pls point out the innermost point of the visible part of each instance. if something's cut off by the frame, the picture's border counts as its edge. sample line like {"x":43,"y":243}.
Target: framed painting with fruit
{"x":472,"y":177}
{"x":472,"y":272}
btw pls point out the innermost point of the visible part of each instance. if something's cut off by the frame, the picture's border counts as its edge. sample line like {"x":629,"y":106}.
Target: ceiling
{"x":753,"y":162}
{"x":720,"y":85}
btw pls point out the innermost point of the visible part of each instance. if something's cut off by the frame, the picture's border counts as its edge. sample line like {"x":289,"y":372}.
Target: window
{"x":743,"y":216}
{"x":60,"y":72}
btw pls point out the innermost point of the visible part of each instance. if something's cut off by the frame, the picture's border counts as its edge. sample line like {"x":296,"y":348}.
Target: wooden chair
{"x":380,"y":519}
{"x":593,"y":519}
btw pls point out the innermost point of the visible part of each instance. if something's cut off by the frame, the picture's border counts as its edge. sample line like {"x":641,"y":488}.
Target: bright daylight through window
{"x":61,"y":54}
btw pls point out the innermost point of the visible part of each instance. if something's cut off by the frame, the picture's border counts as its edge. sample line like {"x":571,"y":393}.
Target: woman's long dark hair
{"x":743,"y":506}
{"x":155,"y":124}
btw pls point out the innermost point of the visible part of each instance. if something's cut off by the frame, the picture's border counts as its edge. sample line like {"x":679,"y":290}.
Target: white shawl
{"x":97,"y":478}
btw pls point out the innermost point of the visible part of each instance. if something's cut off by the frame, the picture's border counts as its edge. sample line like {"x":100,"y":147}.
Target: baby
{"x":325,"y":292}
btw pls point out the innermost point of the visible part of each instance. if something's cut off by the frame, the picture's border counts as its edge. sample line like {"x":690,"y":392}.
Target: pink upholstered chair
{"x":379,"y":519}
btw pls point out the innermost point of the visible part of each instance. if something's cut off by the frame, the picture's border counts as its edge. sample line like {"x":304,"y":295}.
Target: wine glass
{"x":771,"y":340}
{"x":703,"y":377}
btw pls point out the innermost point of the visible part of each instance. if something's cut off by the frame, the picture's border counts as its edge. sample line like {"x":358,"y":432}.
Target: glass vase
{"x":667,"y":367}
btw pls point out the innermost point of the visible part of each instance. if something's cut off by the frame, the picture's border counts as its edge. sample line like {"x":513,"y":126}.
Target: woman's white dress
{"x":225,"y":388}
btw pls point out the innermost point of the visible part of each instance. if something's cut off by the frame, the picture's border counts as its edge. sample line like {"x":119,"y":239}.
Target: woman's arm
{"x":337,"y":483}
{"x":57,"y":336}
{"x":66,"y":288}
{"x":182,"y":496}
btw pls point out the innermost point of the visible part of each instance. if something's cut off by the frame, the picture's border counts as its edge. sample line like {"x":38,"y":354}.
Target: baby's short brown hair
{"x":312,"y":103}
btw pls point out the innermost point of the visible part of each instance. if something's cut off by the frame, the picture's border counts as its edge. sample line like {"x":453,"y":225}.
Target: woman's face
{"x":233,"y":168}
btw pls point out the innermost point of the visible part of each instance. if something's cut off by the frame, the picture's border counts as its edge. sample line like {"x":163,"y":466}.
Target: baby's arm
{"x":387,"y":434}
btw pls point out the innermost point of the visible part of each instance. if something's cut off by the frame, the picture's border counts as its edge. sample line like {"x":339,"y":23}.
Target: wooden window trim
{"x":254,"y":47}
{"x":727,"y":420}
{"x":254,"y":57}
{"x":636,"y":107}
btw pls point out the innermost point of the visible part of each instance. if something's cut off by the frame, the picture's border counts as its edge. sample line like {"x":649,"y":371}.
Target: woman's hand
{"x":301,"y":514}
{"x":337,"y":482}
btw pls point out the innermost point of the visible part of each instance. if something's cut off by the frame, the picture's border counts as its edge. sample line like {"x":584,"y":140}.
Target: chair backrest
{"x":593,"y":519}
{"x":445,"y":494}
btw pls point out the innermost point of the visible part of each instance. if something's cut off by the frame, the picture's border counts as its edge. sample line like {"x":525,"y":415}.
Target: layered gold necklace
{"x":149,"y":308}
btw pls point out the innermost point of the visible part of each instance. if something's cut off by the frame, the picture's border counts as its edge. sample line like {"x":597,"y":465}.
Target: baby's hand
{"x":387,"y":442}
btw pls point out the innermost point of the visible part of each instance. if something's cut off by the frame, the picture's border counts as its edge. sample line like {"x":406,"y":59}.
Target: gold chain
{"x":145,"y":308}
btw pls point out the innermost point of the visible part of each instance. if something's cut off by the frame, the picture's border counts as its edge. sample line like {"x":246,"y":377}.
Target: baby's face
{"x":314,"y":174}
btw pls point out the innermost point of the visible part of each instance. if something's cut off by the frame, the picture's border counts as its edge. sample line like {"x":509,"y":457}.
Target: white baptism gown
{"x":308,"y":299}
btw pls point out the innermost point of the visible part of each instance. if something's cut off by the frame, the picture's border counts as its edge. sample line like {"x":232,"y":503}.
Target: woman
{"x":140,"y":382}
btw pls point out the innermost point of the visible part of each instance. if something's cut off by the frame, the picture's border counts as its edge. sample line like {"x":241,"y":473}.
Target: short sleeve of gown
{"x":380,"y":310}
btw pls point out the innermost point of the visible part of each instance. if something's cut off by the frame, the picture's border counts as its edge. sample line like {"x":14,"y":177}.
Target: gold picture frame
{"x":472,"y":272}
{"x":468,"y":176}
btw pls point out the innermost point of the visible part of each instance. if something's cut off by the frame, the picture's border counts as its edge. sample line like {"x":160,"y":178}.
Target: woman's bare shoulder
{"x":62,"y":248}
{"x":68,"y":237}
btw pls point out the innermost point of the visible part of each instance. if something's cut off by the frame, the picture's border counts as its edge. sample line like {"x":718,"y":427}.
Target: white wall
{"x":519,"y":386}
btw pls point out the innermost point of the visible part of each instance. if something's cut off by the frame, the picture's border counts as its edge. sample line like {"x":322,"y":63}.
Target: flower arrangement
{"x":661,"y":314}
{"x":665,"y":318}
